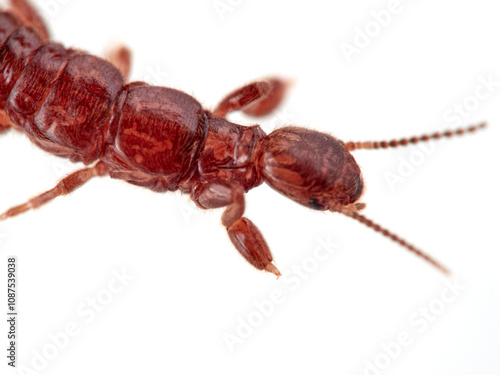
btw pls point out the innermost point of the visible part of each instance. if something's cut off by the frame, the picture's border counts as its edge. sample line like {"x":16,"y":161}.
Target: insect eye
{"x":315,"y":205}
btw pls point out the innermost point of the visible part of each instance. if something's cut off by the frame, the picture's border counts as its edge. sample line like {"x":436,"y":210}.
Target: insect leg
{"x":255,"y":99}
{"x":5,"y":123}
{"x":65,"y":186}
{"x":120,"y":57}
{"x":25,"y":12}
{"x":244,"y":235}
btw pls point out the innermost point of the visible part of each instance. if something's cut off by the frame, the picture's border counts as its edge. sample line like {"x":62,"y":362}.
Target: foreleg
{"x":244,"y":235}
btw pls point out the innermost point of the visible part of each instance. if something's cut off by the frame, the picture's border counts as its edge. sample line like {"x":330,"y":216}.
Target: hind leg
{"x":65,"y":186}
{"x":120,"y":57}
{"x":5,"y":123}
{"x":25,"y":12}
{"x":255,"y":99}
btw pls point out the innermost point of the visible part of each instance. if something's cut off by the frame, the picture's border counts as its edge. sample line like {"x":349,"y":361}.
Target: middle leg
{"x":255,"y":99}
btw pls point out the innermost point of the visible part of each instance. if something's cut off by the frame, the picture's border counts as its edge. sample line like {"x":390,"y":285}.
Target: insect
{"x":79,"y":106}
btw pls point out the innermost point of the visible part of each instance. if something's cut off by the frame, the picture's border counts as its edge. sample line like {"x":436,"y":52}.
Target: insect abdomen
{"x":62,"y":99}
{"x":76,"y":105}
{"x":158,"y":137}
{"x":15,"y":53}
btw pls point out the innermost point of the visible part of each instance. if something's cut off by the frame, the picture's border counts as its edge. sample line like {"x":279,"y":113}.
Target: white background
{"x":190,"y":286}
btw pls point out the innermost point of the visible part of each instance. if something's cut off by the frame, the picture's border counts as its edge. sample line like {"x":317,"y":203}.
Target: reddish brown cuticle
{"x":79,"y":106}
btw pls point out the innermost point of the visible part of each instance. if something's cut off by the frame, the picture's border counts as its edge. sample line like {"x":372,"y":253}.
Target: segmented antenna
{"x":377,"y":228}
{"x":373,"y":145}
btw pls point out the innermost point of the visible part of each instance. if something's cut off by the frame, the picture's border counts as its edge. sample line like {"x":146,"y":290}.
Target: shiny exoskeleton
{"x":79,"y":106}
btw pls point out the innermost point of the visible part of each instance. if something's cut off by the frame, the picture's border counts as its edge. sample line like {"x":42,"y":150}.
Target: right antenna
{"x":377,"y":228}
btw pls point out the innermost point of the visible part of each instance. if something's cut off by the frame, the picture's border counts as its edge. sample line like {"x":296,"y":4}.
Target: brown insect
{"x":79,"y":106}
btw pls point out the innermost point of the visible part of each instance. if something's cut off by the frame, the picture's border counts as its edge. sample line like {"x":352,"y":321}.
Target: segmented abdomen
{"x":76,"y":105}
{"x":157,"y":137}
{"x":61,"y":98}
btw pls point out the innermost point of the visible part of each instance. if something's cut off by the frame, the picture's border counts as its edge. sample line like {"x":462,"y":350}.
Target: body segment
{"x":156,"y":137}
{"x":79,"y":106}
